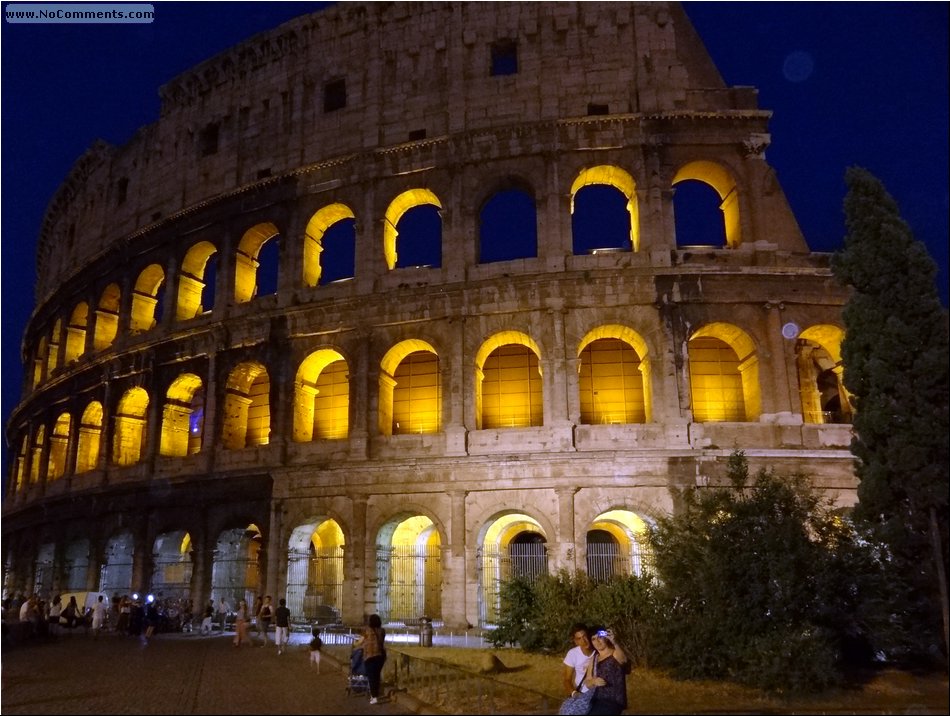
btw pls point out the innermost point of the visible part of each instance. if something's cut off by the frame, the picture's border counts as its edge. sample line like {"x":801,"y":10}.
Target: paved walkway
{"x":175,"y":674}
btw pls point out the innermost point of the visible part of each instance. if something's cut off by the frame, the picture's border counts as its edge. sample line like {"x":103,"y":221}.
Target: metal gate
{"x":500,"y":564}
{"x":314,"y":579}
{"x":606,"y":560}
{"x":409,"y":582}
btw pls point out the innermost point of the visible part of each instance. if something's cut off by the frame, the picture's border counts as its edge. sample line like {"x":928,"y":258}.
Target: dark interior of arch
{"x":601,"y":219}
{"x":338,"y":260}
{"x":268,"y":264}
{"x":508,"y":227}
{"x":210,"y":279}
{"x":698,"y":218}
{"x":419,"y":242}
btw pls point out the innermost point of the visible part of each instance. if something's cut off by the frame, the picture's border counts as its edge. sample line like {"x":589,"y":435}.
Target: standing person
{"x":152,"y":619}
{"x":223,"y":610}
{"x":264,"y":615}
{"x":609,"y":676}
{"x":125,"y":615}
{"x":576,"y":660}
{"x":281,"y":626}
{"x":55,"y":609}
{"x":373,"y":643}
{"x":240,"y":624}
{"x":98,"y":616}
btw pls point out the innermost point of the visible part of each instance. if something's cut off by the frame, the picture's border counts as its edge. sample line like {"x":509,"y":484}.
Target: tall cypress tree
{"x":896,"y":358}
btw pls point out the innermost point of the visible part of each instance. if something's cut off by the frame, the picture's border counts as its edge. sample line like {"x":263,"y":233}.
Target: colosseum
{"x":392,"y":302}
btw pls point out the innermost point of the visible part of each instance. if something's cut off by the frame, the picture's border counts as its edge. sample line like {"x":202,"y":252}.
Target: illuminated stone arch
{"x":410,"y":389}
{"x":322,"y":397}
{"x":171,"y":565}
{"x":52,"y":355}
{"x":90,"y":438}
{"x":247,"y":260}
{"x":720,"y":179}
{"x":130,"y":427}
{"x":76,"y":332}
{"x":246,"y":420}
{"x":39,"y":361}
{"x":36,"y":458}
{"x":508,"y":390}
{"x":820,"y":375}
{"x":236,"y":572}
{"x":59,"y":447}
{"x":183,"y":417}
{"x":315,"y":568}
{"x":510,"y":544}
{"x":192,"y":281}
{"x":723,"y":375}
{"x":618,"y":545}
{"x":19,"y":468}
{"x":315,"y":232}
{"x":614,"y":376}
{"x":146,"y":299}
{"x":107,"y":318}
{"x":397,"y":208}
{"x":620,"y":180}
{"x":409,"y":567}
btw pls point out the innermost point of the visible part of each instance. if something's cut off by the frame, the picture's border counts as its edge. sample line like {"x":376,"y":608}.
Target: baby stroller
{"x":357,"y":682}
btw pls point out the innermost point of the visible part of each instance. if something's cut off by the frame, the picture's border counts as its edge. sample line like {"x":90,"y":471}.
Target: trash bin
{"x":425,"y":632}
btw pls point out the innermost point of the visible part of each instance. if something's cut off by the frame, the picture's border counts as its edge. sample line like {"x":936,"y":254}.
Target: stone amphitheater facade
{"x":401,"y":441}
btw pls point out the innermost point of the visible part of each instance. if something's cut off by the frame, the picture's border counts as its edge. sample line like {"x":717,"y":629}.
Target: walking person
{"x":281,"y":626}
{"x":240,"y":624}
{"x":55,"y":609}
{"x":373,"y":643}
{"x":207,"y":618}
{"x":264,"y":616}
{"x":98,"y":616}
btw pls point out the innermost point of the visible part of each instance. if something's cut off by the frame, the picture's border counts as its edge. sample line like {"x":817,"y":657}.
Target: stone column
{"x":355,"y":597}
{"x":455,"y":582}
{"x":779,"y":357}
{"x":566,"y":556}
{"x":277,"y":558}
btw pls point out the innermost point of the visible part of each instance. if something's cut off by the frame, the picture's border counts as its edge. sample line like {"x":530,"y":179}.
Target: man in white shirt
{"x":577,"y":659}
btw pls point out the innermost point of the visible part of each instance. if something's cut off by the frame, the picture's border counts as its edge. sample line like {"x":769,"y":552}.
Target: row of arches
{"x":603,"y":204}
{"x":613,"y":385}
{"x":406,"y":563}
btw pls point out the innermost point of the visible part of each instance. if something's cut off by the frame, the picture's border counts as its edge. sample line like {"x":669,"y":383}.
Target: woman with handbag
{"x":608,"y":677}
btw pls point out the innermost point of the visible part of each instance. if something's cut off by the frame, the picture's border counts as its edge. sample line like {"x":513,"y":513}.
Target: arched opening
{"x":115,"y":576}
{"x":717,"y":177}
{"x":818,"y":360}
{"x":723,"y":375}
{"x":508,"y":227}
{"x":410,"y":390}
{"x":76,"y":566}
{"x":617,"y":546}
{"x":196,"y":281}
{"x":58,"y":447}
{"x":22,"y":458}
{"x":508,"y":382}
{"x":52,"y":358}
{"x":146,"y":299}
{"x":182,"y":418}
{"x":236,"y":574}
{"x":246,"y":407}
{"x":39,"y":361}
{"x":90,"y":437}
{"x":36,"y":459}
{"x":172,"y":565}
{"x":409,"y":569}
{"x":315,"y":572}
{"x":330,"y":246}
{"x":322,"y":397}
{"x":256,"y":259}
{"x":76,"y":332}
{"x":513,"y":545}
{"x":614,"y":377}
{"x":43,"y":569}
{"x":413,"y":219}
{"x":107,"y":318}
{"x":130,"y":423}
{"x":604,"y":211}
{"x":697,"y":210}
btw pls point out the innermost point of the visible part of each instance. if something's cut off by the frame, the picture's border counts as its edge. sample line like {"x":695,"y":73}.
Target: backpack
{"x":316,"y":643}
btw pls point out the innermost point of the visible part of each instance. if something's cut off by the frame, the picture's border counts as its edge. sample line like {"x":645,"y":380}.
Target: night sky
{"x":849,"y":84}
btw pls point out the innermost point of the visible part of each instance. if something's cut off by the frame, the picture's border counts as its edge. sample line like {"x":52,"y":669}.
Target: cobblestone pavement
{"x":174,"y":674}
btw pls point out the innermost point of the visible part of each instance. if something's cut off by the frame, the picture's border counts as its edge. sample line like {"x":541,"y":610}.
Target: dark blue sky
{"x":849,"y":84}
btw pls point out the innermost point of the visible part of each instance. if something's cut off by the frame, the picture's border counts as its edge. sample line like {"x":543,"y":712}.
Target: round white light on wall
{"x":790,"y":330}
